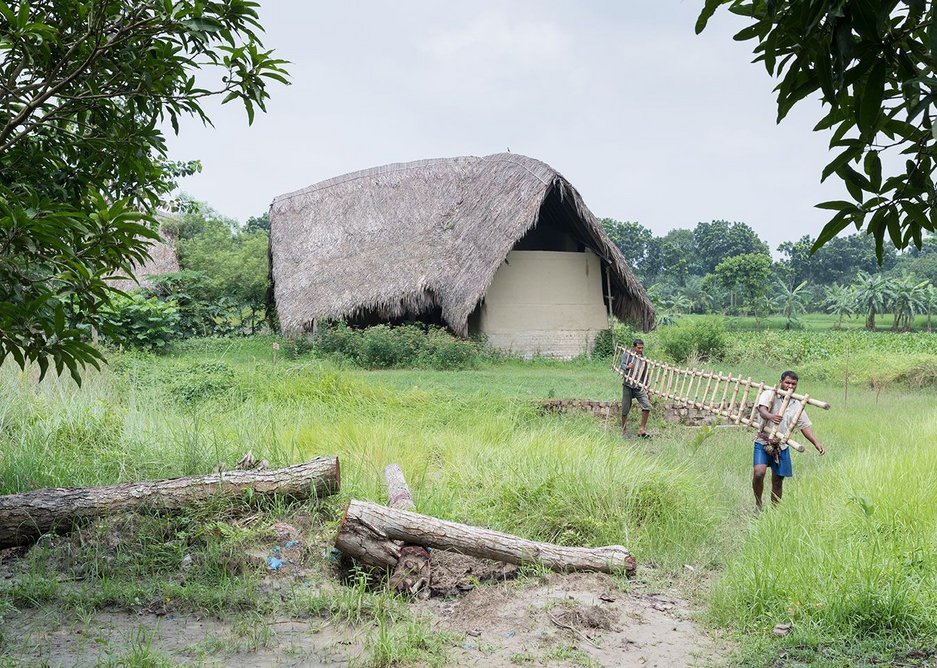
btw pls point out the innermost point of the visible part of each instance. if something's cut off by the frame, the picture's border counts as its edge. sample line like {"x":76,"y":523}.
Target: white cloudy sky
{"x":649,"y":121}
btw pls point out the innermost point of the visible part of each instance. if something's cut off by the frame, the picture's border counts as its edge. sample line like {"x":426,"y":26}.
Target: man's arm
{"x":768,"y":415}
{"x":808,"y":434}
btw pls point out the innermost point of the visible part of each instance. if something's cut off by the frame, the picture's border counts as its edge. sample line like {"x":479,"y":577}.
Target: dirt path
{"x":578,"y":619}
{"x":558,"y":620}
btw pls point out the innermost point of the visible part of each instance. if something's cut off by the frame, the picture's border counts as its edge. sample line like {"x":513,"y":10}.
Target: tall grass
{"x":847,"y":557}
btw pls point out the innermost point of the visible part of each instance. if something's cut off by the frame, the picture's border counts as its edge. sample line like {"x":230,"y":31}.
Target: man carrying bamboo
{"x":632,"y":389}
{"x":772,"y":450}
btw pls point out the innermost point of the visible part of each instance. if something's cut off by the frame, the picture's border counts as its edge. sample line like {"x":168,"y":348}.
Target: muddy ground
{"x":494,"y":618}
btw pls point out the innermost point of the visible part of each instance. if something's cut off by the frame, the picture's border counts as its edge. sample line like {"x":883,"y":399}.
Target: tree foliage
{"x":720,"y":239}
{"x":749,"y":277}
{"x":86,"y":88}
{"x":873,"y":66}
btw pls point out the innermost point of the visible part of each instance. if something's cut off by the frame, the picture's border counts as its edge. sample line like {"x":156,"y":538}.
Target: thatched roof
{"x":163,"y":260}
{"x":405,"y":238}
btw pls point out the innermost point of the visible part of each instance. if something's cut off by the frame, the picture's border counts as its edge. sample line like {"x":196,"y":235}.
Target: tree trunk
{"x":412,"y":572}
{"x":368,"y":530}
{"x":24,"y":517}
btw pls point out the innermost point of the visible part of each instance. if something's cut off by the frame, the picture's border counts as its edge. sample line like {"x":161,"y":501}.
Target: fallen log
{"x":24,"y":517}
{"x":414,"y":565}
{"x":368,"y":530}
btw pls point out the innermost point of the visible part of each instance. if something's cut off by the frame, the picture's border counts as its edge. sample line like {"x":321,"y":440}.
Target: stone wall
{"x":671,"y":412}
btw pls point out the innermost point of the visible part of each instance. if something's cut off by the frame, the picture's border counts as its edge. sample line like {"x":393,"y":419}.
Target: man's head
{"x":788,"y":381}
{"x":638,"y":346}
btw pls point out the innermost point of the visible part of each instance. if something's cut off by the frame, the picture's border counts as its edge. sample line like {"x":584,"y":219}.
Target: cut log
{"x":398,"y":492}
{"x":24,"y":517}
{"x":412,"y":572}
{"x":368,"y":530}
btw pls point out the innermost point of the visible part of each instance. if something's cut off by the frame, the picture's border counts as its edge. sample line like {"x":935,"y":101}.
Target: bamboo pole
{"x":725,"y":391}
{"x":735,"y":394}
{"x":754,"y":412}
{"x":793,"y":425}
{"x":709,"y":381}
{"x":743,"y":399}
{"x":785,"y":402}
{"x":670,"y":377}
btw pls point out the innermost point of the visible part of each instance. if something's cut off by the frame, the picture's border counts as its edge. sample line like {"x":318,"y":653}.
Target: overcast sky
{"x":649,"y":121}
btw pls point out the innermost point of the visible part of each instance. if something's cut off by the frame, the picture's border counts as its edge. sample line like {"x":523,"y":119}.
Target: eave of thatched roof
{"x":406,"y":237}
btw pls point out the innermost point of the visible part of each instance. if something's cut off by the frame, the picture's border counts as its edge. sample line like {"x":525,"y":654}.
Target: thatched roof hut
{"x":412,"y":238}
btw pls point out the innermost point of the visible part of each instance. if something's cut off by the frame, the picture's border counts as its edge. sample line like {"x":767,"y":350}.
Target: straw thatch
{"x":407,"y":238}
{"x":163,"y":260}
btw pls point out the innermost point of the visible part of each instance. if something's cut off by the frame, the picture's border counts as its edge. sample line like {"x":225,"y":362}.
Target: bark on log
{"x":398,"y":492}
{"x":414,"y":566}
{"x":368,"y":529}
{"x":24,"y":517}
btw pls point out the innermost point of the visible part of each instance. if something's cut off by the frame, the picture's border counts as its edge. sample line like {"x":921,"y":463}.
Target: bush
{"x":444,"y":351}
{"x":703,"y":337}
{"x":198,"y":382}
{"x":141,"y":322}
{"x":604,"y":346}
{"x":387,"y":347}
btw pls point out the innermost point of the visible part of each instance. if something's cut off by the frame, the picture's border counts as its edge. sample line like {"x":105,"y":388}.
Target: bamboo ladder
{"x":683,"y":386}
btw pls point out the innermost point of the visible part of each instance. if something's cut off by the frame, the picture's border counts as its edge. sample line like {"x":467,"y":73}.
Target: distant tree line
{"x":724,"y":267}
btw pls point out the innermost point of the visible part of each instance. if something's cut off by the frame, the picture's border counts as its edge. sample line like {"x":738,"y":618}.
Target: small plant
{"x":141,"y":322}
{"x":706,"y":337}
{"x":202,"y":381}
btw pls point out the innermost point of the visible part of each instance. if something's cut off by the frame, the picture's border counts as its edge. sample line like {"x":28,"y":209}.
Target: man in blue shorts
{"x":630,"y":391}
{"x":777,"y":456}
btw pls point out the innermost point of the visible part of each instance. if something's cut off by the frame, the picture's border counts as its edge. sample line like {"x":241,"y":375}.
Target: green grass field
{"x":847,"y":559}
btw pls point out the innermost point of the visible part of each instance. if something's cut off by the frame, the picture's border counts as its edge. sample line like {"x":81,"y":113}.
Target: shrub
{"x":141,"y":322}
{"x":389,"y":347}
{"x":604,"y":346}
{"x":444,"y":351}
{"x":297,"y":346}
{"x":198,"y":382}
{"x":339,"y":339}
{"x":704,"y":337}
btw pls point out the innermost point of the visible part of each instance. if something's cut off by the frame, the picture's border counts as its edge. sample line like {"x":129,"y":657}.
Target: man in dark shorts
{"x":629,"y":391}
{"x":769,"y":407}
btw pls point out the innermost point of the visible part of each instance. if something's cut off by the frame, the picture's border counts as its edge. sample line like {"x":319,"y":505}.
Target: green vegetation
{"x":871,"y":64}
{"x":846,"y":559}
{"x":88,"y":89}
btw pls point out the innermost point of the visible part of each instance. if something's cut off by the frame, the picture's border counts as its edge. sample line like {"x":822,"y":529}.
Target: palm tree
{"x":840,"y":301}
{"x":701,"y":301}
{"x":909,"y":299}
{"x":873,"y":295}
{"x":680,"y":304}
{"x":791,"y":302}
{"x":930,"y":305}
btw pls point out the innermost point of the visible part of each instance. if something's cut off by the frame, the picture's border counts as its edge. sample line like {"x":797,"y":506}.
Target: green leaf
{"x":839,"y":222}
{"x":873,"y":167}
{"x":843,"y":158}
{"x":708,"y":10}
{"x":870,"y":97}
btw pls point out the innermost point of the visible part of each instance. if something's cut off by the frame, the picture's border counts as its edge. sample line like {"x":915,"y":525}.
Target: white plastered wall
{"x":545,"y":303}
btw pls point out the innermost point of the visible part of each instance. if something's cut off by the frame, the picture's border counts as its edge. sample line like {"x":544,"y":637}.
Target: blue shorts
{"x":780,"y":468}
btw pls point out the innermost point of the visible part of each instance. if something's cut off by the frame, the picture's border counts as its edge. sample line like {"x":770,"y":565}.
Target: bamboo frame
{"x":682,"y":386}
